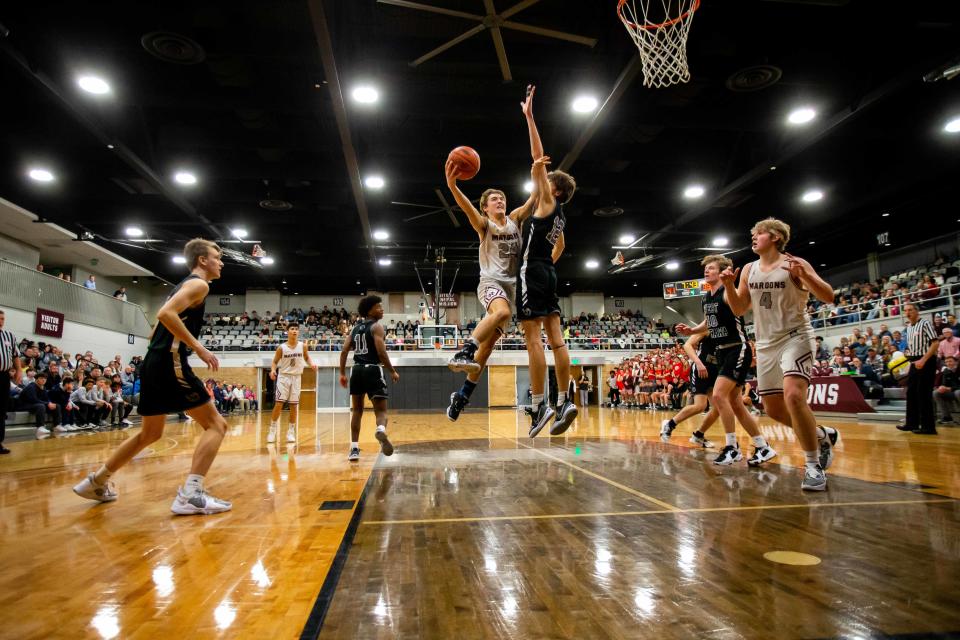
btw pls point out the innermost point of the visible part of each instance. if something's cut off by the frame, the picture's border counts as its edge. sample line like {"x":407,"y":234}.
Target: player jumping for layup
{"x":537,"y":302}
{"x":168,"y":385}
{"x":366,"y":376}
{"x":289,"y":360}
{"x":499,"y":254}
{"x":777,"y":287}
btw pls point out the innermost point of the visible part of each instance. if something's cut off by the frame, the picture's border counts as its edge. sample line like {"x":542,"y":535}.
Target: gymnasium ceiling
{"x":253,"y":112}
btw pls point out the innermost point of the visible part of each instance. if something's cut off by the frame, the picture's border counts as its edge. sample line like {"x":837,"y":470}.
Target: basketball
{"x":467,"y":161}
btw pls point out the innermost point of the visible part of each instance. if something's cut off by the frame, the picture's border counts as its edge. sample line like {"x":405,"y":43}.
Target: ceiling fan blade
{"x":447,"y":45}
{"x":432,"y":9}
{"x":550,"y":33}
{"x":517,"y":8}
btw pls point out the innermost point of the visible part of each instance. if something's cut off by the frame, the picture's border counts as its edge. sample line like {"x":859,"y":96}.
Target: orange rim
{"x":680,"y":18}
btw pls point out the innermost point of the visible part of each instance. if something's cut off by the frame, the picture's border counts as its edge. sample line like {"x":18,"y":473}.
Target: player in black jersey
{"x":728,"y":336}
{"x":703,"y":375}
{"x":537,"y":302}
{"x":366,"y":377}
{"x":168,"y":385}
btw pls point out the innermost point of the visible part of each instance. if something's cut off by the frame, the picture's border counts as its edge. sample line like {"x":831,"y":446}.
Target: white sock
{"x":811,"y":457}
{"x":760,"y":442}
{"x":293,"y":425}
{"x":731,"y":439}
{"x":274,"y":424}
{"x":102,"y":476}
{"x":354,"y":445}
{"x":536,"y":398}
{"x":561,"y":398}
{"x":381,"y":427}
{"x":193,"y":484}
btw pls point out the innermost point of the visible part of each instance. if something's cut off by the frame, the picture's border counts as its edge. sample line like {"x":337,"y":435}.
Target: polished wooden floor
{"x":472,"y":530}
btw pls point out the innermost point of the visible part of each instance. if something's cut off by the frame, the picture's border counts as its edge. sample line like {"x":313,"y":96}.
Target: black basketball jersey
{"x":725,"y":328}
{"x":163,"y":340}
{"x":364,"y":348}
{"x":541,"y":234}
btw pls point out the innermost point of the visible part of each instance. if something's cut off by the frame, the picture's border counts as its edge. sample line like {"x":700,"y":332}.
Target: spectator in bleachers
{"x":899,"y":341}
{"x":90,"y":283}
{"x":251,"y":398}
{"x":119,"y":408}
{"x":870,"y":383}
{"x":860,"y":347}
{"x":53,"y":376}
{"x":69,"y":413}
{"x":34,"y":399}
{"x":86,"y":407}
{"x":946,"y":391}
{"x":949,"y":344}
{"x":120,"y":294}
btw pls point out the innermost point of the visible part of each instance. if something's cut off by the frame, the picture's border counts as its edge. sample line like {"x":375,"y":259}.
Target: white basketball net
{"x":660,"y":33}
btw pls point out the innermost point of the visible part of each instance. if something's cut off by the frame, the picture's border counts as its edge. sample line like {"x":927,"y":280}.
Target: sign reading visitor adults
{"x":48,"y":323}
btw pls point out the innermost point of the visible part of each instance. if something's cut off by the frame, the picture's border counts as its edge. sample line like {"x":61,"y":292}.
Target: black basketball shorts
{"x":537,"y":290}
{"x":368,"y":379}
{"x":168,"y":385}
{"x":702,"y":385}
{"x":734,"y":362}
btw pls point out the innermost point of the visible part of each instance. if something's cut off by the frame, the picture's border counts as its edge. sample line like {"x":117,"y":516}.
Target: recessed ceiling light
{"x":672,"y":265}
{"x":823,"y":264}
{"x":296,"y":293}
{"x":567,"y":283}
{"x":720,"y":241}
{"x":365,"y":94}
{"x":239,"y":233}
{"x":231,"y":294}
{"x":773,"y":168}
{"x":41,"y":175}
{"x":179,"y":260}
{"x":283,"y":282}
{"x":134,"y":232}
{"x":266,"y":260}
{"x":884,"y":215}
{"x":584,"y":104}
{"x":634,"y":284}
{"x":185,"y":177}
{"x":693,"y":191}
{"x":358,"y":282}
{"x":813,"y":242}
{"x":109,"y":146}
{"x":627,"y":238}
{"x":802,"y":115}
{"x":591,"y":264}
{"x":431,"y":282}
{"x":813,"y":196}
{"x":528,"y":186}
{"x":374,"y":182}
{"x":93,"y":84}
{"x":380,"y":234}
{"x":953,"y":125}
{"x":887,"y":244}
{"x":385,"y":262}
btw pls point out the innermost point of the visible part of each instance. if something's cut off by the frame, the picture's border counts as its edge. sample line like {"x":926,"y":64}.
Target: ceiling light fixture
{"x":239,"y":233}
{"x":672,"y":265}
{"x":93,"y":84}
{"x":374,"y":182}
{"x":385,"y":262}
{"x":179,"y":260}
{"x":813,"y":195}
{"x":627,"y":238}
{"x":40,"y":175}
{"x":720,"y":241}
{"x":953,"y":125}
{"x":803,"y":115}
{"x":885,"y":215}
{"x":528,"y":186}
{"x":694,"y":191}
{"x":134,"y":232}
{"x":185,"y":177}
{"x":365,"y":94}
{"x":266,"y":260}
{"x":380,"y":234}
{"x":591,"y":264}
{"x":584,"y":104}
{"x":813,"y":242}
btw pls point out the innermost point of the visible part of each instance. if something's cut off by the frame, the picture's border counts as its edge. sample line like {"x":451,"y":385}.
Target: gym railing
{"x":27,"y":289}
{"x":887,"y":307}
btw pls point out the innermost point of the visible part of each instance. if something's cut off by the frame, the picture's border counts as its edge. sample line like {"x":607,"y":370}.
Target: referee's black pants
{"x":920,"y":396}
{"x":4,"y":402}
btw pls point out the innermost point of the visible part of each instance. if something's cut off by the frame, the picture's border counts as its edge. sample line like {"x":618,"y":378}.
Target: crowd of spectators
{"x":76,"y":392}
{"x":654,"y":379}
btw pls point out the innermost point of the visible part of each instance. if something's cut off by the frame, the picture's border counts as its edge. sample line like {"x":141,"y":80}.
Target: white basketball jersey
{"x":500,"y":250}
{"x":779,"y":304}
{"x":291,"y":359}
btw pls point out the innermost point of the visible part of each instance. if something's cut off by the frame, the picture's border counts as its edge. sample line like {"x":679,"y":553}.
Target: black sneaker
{"x":457,"y":402}
{"x":565,"y":415}
{"x":463,"y":360}
{"x":539,"y":417}
{"x":826,"y":446}
{"x":905,"y":427}
{"x":385,"y":445}
{"x":728,"y":455}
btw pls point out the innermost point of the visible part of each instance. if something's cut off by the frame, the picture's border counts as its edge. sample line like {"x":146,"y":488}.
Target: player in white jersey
{"x":499,"y":257}
{"x":777,"y":286}
{"x":287,"y":369}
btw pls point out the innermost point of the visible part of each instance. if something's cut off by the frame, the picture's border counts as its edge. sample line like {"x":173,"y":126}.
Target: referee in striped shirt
{"x":9,"y":357}
{"x":922,"y":346}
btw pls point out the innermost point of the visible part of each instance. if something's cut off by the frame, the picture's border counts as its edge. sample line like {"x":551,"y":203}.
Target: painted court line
{"x":602,"y":514}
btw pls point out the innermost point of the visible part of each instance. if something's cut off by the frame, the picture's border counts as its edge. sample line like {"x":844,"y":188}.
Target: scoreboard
{"x":684,"y":289}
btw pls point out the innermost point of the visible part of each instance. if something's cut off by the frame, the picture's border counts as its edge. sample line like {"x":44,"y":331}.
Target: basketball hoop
{"x":660,"y":34}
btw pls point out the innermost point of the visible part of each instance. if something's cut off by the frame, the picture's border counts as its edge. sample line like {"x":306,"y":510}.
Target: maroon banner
{"x":48,"y":323}
{"x":839,"y":394}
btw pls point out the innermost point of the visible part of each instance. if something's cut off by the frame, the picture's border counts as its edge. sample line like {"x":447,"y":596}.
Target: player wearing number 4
{"x":289,"y":360}
{"x":777,"y":287}
{"x":499,"y":253}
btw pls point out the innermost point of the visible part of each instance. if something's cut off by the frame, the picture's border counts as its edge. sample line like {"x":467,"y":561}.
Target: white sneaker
{"x":199,"y":503}
{"x":42,"y":432}
{"x":71,"y":427}
{"x":272,"y":435}
{"x":60,"y":429}
{"x":126,"y":421}
{"x":354,"y":454}
{"x":292,"y":434}
{"x":89,"y":489}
